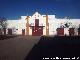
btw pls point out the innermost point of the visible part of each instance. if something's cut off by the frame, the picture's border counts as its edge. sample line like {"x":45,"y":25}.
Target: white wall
{"x":54,"y":23}
{"x":44,"y":24}
{"x":16,"y":24}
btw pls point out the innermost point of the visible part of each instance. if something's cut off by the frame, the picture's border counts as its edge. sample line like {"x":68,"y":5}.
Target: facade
{"x":38,"y":24}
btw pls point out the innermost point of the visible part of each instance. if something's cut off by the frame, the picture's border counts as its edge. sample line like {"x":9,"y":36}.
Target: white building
{"x":48,"y":24}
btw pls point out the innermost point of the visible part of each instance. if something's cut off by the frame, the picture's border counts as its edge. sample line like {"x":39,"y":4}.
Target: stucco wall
{"x":54,"y":23}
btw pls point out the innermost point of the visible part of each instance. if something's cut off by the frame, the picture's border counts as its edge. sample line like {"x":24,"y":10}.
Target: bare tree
{"x":3,"y":22}
{"x":3,"y":25}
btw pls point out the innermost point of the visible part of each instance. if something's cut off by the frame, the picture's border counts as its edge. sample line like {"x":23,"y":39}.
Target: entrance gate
{"x":37,"y":30}
{"x":60,"y":31}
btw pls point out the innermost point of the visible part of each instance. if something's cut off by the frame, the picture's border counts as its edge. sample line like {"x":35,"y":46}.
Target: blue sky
{"x":13,"y":9}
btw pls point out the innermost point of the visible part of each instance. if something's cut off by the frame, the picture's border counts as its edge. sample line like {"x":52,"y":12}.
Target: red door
{"x":38,"y":31}
{"x":10,"y":31}
{"x":23,"y":31}
{"x":71,"y":31}
{"x":60,"y":31}
{"x":36,"y":22}
{"x":0,"y":31}
{"x":4,"y":29}
{"x":79,"y":31}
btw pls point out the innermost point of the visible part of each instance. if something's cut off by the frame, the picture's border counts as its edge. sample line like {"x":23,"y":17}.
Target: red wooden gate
{"x":37,"y":30}
{"x":60,"y":31}
{"x":71,"y":31}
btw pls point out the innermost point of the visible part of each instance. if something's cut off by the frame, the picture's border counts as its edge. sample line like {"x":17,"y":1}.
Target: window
{"x":16,"y":29}
{"x":32,"y":24}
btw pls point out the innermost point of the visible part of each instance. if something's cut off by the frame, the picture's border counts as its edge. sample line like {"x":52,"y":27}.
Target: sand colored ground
{"x":17,"y":48}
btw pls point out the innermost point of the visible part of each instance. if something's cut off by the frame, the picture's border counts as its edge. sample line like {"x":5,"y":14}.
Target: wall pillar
{"x":27,"y":26}
{"x":47,"y":25}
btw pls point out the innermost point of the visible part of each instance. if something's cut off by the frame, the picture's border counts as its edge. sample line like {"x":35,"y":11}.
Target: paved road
{"x":17,"y":48}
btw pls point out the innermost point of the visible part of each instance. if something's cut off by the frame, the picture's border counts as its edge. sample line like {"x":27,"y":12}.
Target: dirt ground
{"x":58,"y":47}
{"x":2,"y":37}
{"x":17,"y":48}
